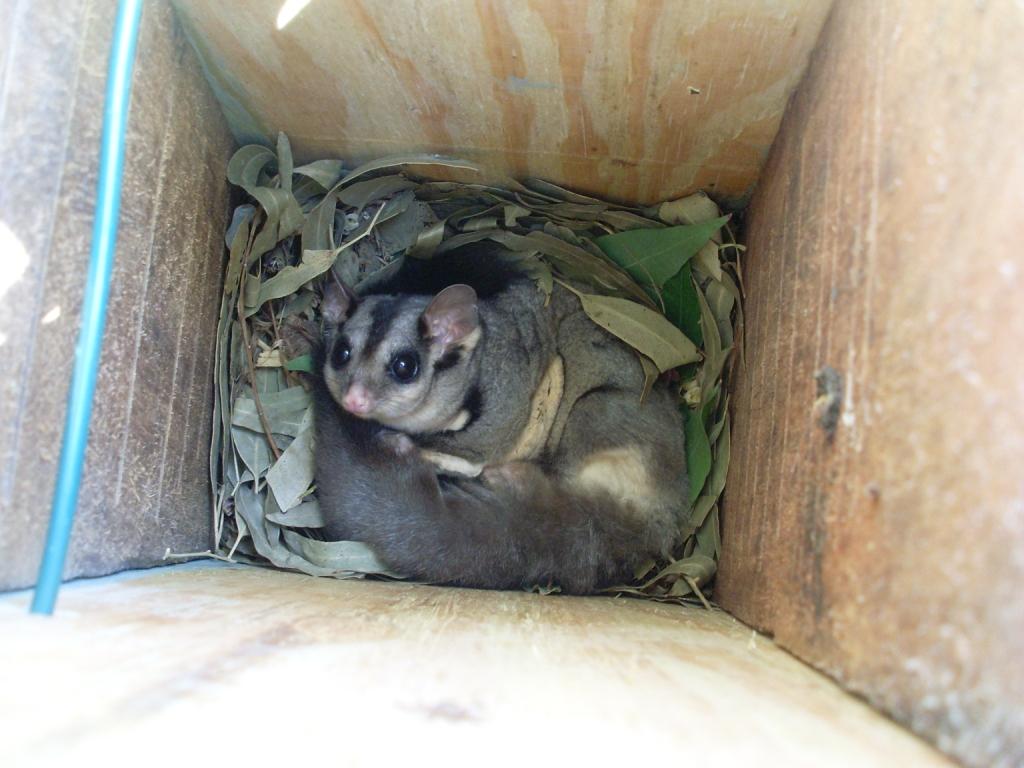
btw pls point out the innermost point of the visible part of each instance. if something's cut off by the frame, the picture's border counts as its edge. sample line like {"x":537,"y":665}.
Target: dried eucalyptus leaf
{"x":285,"y":164}
{"x":716,"y":479}
{"x":251,"y":291}
{"x":714,"y":354}
{"x":265,"y":240}
{"x":512,"y":212}
{"x":427,"y":241}
{"x":290,"y":279}
{"x":362,"y":193}
{"x":245,"y":165}
{"x":651,"y":374}
{"x":307,"y":193}
{"x":236,"y":254}
{"x":282,"y":208}
{"x":292,"y":473}
{"x":326,"y":173}
{"x":697,"y":567}
{"x":709,"y":541}
{"x":253,"y":449}
{"x":401,"y":232}
{"x":539,"y":272}
{"x":707,"y":259}
{"x":480,"y":222}
{"x":266,"y":536}
{"x":716,"y":430}
{"x":578,"y":264}
{"x":269,"y":381}
{"x":648,"y":332}
{"x":285,"y":411}
{"x":721,"y":302}
{"x":318,"y":229}
{"x":393,"y":207}
{"x":337,"y":556}
{"x":242,"y":213}
{"x":555,"y":192}
{"x":691,"y":209}
{"x":399,"y":161}
{"x":305,"y":515}
{"x":574,"y":211}
{"x":299,"y":304}
{"x":626,"y":220}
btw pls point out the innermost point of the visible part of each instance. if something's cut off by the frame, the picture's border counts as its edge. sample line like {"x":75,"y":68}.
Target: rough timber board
{"x":145,"y":484}
{"x":201,"y":664}
{"x":595,"y":95}
{"x":884,"y":241}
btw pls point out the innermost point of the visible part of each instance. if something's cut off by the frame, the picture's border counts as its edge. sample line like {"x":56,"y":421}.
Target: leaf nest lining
{"x":664,"y":279}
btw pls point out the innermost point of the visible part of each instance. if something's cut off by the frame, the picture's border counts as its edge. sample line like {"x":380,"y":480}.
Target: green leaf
{"x":648,"y":332}
{"x":682,"y":306}
{"x":698,"y":452}
{"x":652,"y":256}
{"x":290,"y":279}
{"x":245,"y":165}
{"x":303,"y":363}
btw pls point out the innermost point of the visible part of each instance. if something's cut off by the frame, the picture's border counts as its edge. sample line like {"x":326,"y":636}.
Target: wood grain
{"x":249,"y":666}
{"x":639,"y":100}
{"x":883,"y":242}
{"x":144,"y":487}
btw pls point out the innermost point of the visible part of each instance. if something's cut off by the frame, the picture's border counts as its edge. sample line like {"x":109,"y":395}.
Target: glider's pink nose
{"x":357,"y":400}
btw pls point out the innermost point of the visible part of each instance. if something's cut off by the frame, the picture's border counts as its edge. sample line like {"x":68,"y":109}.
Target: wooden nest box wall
{"x":873,"y":520}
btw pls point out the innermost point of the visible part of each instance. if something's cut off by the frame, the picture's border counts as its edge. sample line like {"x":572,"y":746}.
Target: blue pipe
{"x":94,"y":305}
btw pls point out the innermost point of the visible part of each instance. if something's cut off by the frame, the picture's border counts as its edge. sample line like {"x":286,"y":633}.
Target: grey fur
{"x":556,"y":519}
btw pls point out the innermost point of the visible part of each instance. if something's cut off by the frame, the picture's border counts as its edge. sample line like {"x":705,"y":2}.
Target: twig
{"x":168,"y":555}
{"x":696,"y":590}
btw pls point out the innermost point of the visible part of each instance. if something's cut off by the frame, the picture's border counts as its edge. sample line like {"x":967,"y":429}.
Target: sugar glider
{"x":445,"y":358}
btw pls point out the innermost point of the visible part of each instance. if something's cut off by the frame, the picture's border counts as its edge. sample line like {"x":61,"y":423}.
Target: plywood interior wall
{"x":884,"y":243}
{"x":145,"y":486}
{"x":633,"y":99}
